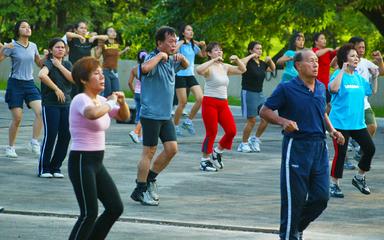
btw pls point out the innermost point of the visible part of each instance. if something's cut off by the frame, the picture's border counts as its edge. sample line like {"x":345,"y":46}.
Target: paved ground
{"x":239,"y":202}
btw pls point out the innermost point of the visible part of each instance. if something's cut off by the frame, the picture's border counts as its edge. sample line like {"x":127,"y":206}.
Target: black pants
{"x":91,"y":181}
{"x":367,"y":146}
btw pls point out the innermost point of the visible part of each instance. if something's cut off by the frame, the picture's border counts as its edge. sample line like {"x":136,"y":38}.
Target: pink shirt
{"x":137,"y":86}
{"x":86,"y":134}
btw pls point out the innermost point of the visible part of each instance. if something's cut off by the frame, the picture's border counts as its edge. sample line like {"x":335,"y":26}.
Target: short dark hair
{"x":211,"y":46}
{"x":355,"y":40}
{"x":76,"y":26}
{"x":342,"y":54}
{"x":16,"y":29}
{"x":252,"y":44}
{"x":162,"y":33}
{"x":82,"y":70}
{"x":52,"y":43}
{"x":292,"y":40}
{"x":182,"y":37}
{"x":316,"y":37}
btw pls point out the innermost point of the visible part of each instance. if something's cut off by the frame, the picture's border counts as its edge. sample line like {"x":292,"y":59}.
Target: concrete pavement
{"x":240,"y":202}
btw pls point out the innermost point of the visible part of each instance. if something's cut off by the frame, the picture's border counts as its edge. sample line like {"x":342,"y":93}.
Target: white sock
{"x":257,"y":139}
{"x":203,"y":159}
{"x":218,"y":150}
{"x":336,"y":182}
{"x":11,"y":147}
{"x":359,"y":176}
{"x":34,"y":141}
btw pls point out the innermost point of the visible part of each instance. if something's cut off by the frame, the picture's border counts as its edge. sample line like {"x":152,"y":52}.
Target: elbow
{"x":199,"y":71}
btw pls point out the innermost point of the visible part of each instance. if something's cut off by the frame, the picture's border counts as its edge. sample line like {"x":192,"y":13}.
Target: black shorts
{"x":155,"y":129}
{"x":185,"y":81}
{"x":327,"y":96}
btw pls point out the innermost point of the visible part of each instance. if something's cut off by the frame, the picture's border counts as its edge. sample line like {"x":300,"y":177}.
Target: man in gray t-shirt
{"x":157,"y":90}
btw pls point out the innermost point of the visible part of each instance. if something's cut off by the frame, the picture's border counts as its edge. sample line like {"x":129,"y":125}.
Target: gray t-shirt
{"x":157,"y":89}
{"x":23,"y":59}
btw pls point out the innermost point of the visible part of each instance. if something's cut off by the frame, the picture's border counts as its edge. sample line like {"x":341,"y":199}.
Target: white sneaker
{"x":10,"y":152}
{"x":46,"y":175}
{"x":134,"y":136}
{"x":58,"y":175}
{"x":254,"y":144}
{"x":244,"y":147}
{"x":34,"y":147}
{"x":152,"y":190}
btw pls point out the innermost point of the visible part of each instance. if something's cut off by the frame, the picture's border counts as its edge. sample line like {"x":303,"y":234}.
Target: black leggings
{"x":91,"y":181}
{"x":363,"y":138}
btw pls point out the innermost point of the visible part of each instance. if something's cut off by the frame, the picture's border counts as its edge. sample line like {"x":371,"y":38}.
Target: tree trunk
{"x":376,"y":17}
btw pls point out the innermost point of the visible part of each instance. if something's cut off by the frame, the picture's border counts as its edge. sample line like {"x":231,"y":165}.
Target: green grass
{"x":379,"y":111}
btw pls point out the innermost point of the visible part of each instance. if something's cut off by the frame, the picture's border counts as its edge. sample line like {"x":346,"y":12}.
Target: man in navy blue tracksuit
{"x":304,"y":169}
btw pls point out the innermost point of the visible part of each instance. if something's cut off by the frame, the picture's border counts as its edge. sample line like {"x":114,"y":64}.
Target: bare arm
{"x":321,"y":52}
{"x":247,"y":58}
{"x":180,"y":58}
{"x":98,"y":37}
{"x":123,"y":113}
{"x":379,"y":61}
{"x":283,"y":59}
{"x":132,"y":77}
{"x":334,"y":63}
{"x":152,"y":63}
{"x":239,"y":69}
{"x":97,"y":111}
{"x":43,"y":76}
{"x":203,"y":46}
{"x":124,"y":50}
{"x":334,"y":86}
{"x":39,"y":61}
{"x":67,"y":74}
{"x":271,"y":64}
{"x":203,"y":69}
{"x":332,"y":131}
{"x":270,"y":116}
{"x":71,"y":35}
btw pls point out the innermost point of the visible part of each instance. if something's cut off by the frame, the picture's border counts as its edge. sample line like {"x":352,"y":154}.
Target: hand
{"x":345,"y":66}
{"x":60,"y":95}
{"x":8,"y":45}
{"x":164,"y":56}
{"x":338,"y":136}
{"x":82,"y":39}
{"x":202,"y":44}
{"x":218,"y":59}
{"x":112,"y":97}
{"x":55,"y":62}
{"x":126,"y":48}
{"x":268,"y":59}
{"x":120,"y":97}
{"x":374,"y":72}
{"x":178,"y":57}
{"x":234,"y":58}
{"x":377,"y":56}
{"x":290,"y":126}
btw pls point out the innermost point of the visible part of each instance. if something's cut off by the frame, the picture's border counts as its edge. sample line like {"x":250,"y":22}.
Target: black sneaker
{"x":300,"y":236}
{"x":217,"y":160}
{"x":361,"y":185}
{"x":144,"y":198}
{"x":335,"y":191}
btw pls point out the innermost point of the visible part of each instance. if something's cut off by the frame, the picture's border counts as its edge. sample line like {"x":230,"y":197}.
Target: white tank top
{"x":216,"y":83}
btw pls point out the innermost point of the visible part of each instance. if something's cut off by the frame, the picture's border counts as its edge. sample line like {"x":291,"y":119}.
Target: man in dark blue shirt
{"x":304,"y":182}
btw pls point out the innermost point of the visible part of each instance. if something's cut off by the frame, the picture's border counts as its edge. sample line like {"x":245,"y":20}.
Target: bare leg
{"x":145,"y":163}
{"x":261,"y":128}
{"x":38,"y":123}
{"x":182,"y":97}
{"x":165,"y":157}
{"x":198,"y":93}
{"x":248,"y":128}
{"x":17,"y":115}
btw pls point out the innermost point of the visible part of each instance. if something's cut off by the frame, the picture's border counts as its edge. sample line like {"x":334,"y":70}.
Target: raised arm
{"x":124,"y":50}
{"x":98,"y":37}
{"x":271,"y":64}
{"x":283,"y":59}
{"x":247,"y":58}
{"x":203,"y":69}
{"x":71,"y":35}
{"x":152,"y":63}
{"x":66,"y":73}
{"x":334,"y":86}
{"x":239,"y":69}
{"x":323,"y":51}
{"x":379,"y":61}
{"x":43,"y":76}
{"x":203,"y":46}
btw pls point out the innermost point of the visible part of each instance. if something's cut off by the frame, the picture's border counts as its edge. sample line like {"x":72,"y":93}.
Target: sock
{"x":34,"y":141}
{"x":359,"y":176}
{"x":335,"y":182}
{"x":141,"y":186}
{"x":11,"y":147}
{"x":218,"y":150}
{"x":151,"y":176}
{"x":203,"y":159}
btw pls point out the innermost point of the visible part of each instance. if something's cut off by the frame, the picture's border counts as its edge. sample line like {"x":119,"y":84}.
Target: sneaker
{"x":34,"y":147}
{"x":188,"y":125}
{"x":217,"y":160}
{"x":207,"y":166}
{"x":185,"y":113}
{"x":254,"y":144}
{"x":350,"y":146}
{"x":10,"y":152}
{"x":179,"y":131}
{"x":348,"y":165}
{"x":335,"y":191}
{"x":300,"y":236}
{"x":152,"y":190}
{"x":134,"y":136}
{"x":361,"y":185}
{"x":46,"y":175}
{"x":58,"y":175}
{"x":144,"y":198}
{"x":244,"y":147}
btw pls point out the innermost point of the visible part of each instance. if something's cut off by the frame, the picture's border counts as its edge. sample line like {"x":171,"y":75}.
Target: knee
{"x":115,"y":211}
{"x":17,"y":120}
{"x":182,"y":103}
{"x":198,"y":100}
{"x":251,"y":121}
{"x":171,"y":151}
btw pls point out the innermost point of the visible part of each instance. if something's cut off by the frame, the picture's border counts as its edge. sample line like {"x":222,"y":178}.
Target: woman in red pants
{"x":215,"y":107}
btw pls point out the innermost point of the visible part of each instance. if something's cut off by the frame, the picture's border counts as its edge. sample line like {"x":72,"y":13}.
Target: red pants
{"x":216,"y":111}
